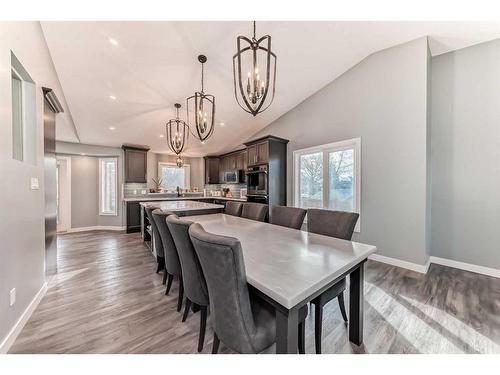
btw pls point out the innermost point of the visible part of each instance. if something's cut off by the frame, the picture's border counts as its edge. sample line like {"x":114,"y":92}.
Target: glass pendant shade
{"x":177,"y":133}
{"x":254,"y":73}
{"x":202,"y":108}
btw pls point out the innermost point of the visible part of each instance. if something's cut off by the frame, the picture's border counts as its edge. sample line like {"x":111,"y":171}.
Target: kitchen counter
{"x":146,"y":198}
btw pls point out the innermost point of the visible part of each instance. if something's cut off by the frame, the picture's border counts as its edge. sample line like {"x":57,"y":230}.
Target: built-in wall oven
{"x":257,"y":184}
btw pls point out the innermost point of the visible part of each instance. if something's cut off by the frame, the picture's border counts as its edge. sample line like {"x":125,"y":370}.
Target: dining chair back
{"x":254,"y":211}
{"x":337,"y":224}
{"x":291,"y":217}
{"x":156,"y":233}
{"x":195,"y":286}
{"x":239,"y":324}
{"x":233,"y":208}
{"x":172,"y":263}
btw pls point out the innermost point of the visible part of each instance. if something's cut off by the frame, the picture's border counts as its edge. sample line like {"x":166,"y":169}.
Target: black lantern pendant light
{"x":254,"y":71}
{"x":203,"y":106}
{"x":177,"y":133}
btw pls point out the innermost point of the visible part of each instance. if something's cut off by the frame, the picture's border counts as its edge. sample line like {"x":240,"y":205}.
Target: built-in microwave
{"x":234,"y":177}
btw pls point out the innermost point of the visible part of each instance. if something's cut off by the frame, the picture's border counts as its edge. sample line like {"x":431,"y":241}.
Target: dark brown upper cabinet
{"x":136,"y":161}
{"x":258,"y":153}
{"x":212,"y":169}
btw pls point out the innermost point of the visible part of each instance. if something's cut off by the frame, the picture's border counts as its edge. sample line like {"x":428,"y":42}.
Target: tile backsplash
{"x":134,"y":189}
{"x":233,"y":188}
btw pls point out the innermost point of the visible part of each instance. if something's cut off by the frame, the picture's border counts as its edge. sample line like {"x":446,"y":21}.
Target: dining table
{"x":289,"y":268}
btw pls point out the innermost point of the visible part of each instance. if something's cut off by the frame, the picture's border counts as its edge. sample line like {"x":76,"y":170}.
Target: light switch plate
{"x":13,"y":297}
{"x":34,"y":183}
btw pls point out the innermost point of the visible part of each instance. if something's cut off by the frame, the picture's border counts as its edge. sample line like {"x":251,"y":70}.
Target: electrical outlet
{"x":34,"y":183}
{"x":143,"y":191}
{"x":13,"y":296}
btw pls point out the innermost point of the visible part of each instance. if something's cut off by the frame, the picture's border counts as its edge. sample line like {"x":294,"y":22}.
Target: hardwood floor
{"x":107,"y":298}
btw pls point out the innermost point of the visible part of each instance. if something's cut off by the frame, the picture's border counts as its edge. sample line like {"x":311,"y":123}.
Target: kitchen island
{"x":132,"y":206}
{"x":178,"y":207}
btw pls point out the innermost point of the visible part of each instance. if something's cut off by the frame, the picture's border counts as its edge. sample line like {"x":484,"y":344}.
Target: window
{"x":23,"y":113}
{"x":329,"y":177}
{"x":173,"y":176}
{"x":108,"y":181}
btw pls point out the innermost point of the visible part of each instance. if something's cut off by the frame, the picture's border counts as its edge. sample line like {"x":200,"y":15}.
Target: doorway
{"x":63,"y":194}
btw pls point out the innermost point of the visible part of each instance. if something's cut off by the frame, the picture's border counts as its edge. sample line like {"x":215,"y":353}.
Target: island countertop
{"x":194,"y":198}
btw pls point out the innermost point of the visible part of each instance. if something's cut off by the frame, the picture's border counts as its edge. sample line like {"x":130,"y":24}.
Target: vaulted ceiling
{"x":121,"y":79}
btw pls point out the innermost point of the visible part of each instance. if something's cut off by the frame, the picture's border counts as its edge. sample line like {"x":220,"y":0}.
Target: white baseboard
{"x":18,"y":327}
{"x":96,"y":227}
{"x":466,"y":266}
{"x":400,"y":263}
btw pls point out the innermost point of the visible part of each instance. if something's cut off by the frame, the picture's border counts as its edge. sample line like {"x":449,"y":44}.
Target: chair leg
{"x":181,"y":294}
{"x":203,"y":325}
{"x":318,"y":326}
{"x":302,"y":337}
{"x":342,"y":306}
{"x":186,"y":309}
{"x":164,"y":277}
{"x":158,"y":267}
{"x":215,"y":345}
{"x":169,"y":283}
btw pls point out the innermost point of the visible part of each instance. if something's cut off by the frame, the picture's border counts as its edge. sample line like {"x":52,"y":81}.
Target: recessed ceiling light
{"x":222,"y":124}
{"x":113,"y":41}
{"x":112,"y":97}
{"x":162,"y":135}
{"x":83,"y":154}
{"x":112,"y":128}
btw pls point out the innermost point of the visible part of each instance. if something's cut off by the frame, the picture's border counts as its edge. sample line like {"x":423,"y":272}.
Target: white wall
{"x":22,"y":253}
{"x":465,"y":151}
{"x":383,"y":100}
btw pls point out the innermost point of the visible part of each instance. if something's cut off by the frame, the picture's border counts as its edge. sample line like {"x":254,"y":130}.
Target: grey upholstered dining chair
{"x":291,"y":217}
{"x":195,"y":286}
{"x":242,"y":321}
{"x":233,"y":208}
{"x":254,"y":211}
{"x":337,"y":224}
{"x":172,"y":263}
{"x":160,"y":256}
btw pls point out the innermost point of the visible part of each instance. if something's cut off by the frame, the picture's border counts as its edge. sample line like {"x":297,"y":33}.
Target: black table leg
{"x":287,"y":331}
{"x":356,"y":299}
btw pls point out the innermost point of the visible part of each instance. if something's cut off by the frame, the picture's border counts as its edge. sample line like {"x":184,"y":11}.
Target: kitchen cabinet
{"x":272,"y":152}
{"x":133,"y":210}
{"x":258,"y":153}
{"x":212,"y":170}
{"x":136,"y":160}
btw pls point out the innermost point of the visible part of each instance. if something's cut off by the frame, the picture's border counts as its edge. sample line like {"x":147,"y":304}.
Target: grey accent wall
{"x":465,"y":113}
{"x":383,"y":100}
{"x":22,"y":252}
{"x":85,"y":184}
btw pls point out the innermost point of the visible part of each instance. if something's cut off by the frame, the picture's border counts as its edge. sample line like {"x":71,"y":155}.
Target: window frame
{"x":187,"y":172}
{"x":326,"y":149}
{"x":101,"y":212}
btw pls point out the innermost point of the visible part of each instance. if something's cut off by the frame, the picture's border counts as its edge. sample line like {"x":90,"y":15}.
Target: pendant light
{"x":254,"y":73}
{"x":203,"y":106}
{"x":179,"y":161}
{"x":177,"y":133}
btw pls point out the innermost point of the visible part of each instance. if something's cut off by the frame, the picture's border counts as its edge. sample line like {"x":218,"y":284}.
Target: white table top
{"x":183,"y":205}
{"x":287,"y":264}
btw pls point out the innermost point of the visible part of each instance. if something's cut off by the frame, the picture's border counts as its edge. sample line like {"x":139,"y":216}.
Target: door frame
{"x":65,"y":203}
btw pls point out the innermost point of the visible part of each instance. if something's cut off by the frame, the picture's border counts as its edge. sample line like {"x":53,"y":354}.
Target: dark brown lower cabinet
{"x":133,"y":217}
